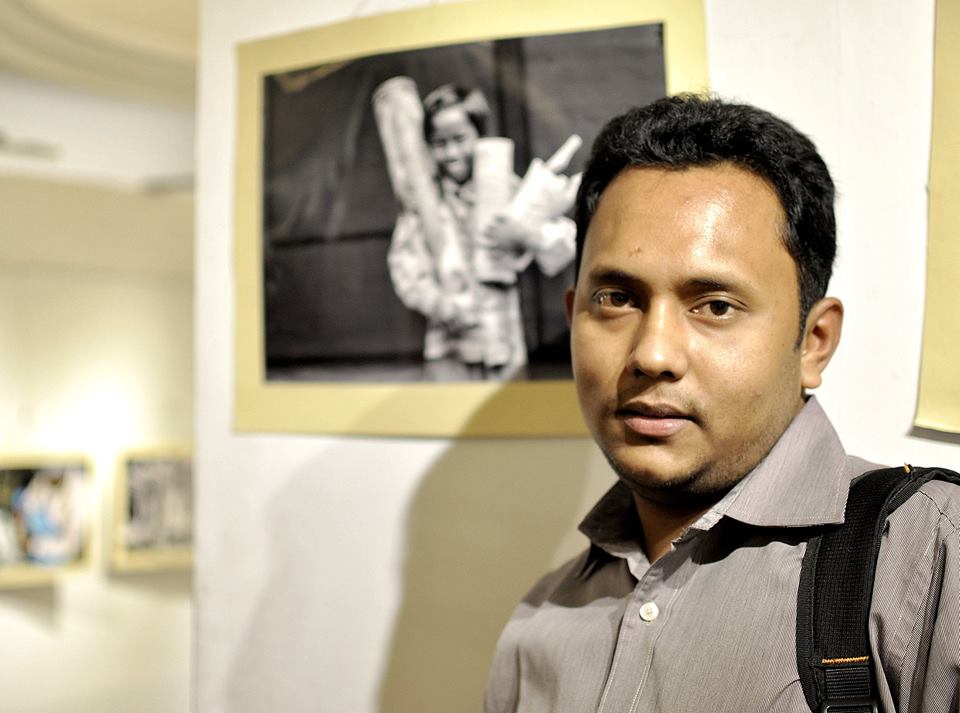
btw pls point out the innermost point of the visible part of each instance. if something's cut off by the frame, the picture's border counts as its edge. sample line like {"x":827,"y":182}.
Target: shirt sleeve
{"x":522,"y":639}
{"x":915,"y":619}
{"x":411,"y":266}
{"x":503,"y":683}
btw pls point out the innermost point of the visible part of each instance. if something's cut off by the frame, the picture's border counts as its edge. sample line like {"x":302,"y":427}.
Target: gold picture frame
{"x":473,"y":409}
{"x":152,"y":523}
{"x":46,"y":516}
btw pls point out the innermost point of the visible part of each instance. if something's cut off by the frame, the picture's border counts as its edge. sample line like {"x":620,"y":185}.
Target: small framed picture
{"x":45,"y":518}
{"x":153,"y":512}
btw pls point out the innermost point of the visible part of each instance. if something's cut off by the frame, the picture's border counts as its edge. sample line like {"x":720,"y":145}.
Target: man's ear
{"x":568,"y":304}
{"x":821,"y":335}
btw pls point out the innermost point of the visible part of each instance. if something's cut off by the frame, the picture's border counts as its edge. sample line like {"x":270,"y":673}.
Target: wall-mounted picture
{"x":405,"y":204}
{"x":153,"y":512}
{"x":938,"y":405}
{"x":44,"y":518}
{"x":417,"y":222}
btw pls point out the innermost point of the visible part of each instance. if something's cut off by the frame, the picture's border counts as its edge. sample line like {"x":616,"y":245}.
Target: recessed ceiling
{"x":144,"y":49}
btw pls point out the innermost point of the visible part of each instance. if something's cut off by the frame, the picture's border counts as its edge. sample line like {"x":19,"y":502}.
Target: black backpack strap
{"x":836,"y":588}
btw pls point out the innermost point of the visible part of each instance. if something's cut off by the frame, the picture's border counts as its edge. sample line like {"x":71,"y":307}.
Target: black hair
{"x":448,"y":95}
{"x":692,"y":130}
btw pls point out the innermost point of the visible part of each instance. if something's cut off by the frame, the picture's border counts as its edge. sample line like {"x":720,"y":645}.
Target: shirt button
{"x":649,"y":611}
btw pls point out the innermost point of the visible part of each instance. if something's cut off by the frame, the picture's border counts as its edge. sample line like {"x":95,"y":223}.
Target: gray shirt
{"x":711,"y":625}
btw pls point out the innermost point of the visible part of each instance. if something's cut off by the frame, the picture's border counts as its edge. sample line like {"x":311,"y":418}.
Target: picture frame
{"x":938,"y":400}
{"x":152,"y":522}
{"x":529,"y":407}
{"x":46,"y":515}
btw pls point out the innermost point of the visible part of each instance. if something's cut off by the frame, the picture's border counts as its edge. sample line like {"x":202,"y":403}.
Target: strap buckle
{"x":854,"y":705}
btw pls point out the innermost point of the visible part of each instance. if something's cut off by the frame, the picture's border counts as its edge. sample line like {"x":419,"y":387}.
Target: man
{"x":699,"y":319}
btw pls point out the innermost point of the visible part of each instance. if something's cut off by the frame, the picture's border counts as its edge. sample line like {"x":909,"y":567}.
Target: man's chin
{"x":667,"y":483}
{"x":652,"y":474}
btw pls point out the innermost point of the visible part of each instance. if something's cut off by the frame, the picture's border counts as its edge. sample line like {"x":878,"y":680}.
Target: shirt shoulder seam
{"x":944,"y":515}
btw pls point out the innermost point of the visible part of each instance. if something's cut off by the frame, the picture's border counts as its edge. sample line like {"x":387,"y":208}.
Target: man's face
{"x":684,"y":325}
{"x":453,"y":140}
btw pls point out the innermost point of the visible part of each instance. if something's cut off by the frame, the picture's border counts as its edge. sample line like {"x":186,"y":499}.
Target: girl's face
{"x":452,"y":142}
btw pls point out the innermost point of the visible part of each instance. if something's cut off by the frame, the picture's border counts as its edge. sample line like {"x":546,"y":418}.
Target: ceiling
{"x":143,"y":49}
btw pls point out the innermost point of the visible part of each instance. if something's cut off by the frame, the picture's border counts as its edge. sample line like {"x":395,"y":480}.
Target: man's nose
{"x":659,"y":349}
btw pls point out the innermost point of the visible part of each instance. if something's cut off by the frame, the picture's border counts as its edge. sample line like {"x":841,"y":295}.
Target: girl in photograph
{"x":462,"y":237}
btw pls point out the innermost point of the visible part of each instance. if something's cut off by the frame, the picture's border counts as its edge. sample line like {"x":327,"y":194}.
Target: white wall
{"x":95,"y":357}
{"x":96,"y":301}
{"x":373,"y":574}
{"x":96,"y":138}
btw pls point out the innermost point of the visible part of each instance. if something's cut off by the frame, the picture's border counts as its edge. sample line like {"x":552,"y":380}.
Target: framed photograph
{"x":403,"y":209}
{"x":153,"y":512}
{"x":45,"y":518}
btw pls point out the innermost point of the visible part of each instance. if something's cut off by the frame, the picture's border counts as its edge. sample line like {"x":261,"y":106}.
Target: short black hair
{"x":447,"y":95}
{"x":694,"y":130}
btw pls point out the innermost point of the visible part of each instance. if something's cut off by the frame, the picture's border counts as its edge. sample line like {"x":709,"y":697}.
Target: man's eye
{"x":715,"y":308}
{"x":612,"y":298}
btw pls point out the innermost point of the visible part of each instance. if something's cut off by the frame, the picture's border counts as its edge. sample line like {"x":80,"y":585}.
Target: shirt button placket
{"x":638,"y":632}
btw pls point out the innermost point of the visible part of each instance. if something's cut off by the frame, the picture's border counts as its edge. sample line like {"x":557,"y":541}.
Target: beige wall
{"x":94,"y":137}
{"x":371,"y":575}
{"x":95,"y":357}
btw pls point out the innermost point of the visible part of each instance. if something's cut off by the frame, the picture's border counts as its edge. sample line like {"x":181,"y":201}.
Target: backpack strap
{"x":836,"y":588}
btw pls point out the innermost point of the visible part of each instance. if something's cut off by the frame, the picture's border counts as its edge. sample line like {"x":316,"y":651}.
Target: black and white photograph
{"x":159,"y":502}
{"x":43,"y":515}
{"x":417,"y":205}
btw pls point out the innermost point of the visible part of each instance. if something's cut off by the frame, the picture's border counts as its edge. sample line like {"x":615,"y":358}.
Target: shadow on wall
{"x":932,"y":435}
{"x":41,"y":605}
{"x":483,"y":526}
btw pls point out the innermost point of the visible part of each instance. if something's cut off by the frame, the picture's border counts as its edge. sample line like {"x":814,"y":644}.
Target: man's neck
{"x":661,"y":524}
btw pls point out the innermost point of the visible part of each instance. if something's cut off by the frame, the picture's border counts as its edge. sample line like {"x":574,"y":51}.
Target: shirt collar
{"x":802,"y":481}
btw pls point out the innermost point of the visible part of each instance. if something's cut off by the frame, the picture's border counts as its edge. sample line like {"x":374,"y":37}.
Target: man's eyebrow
{"x":709,"y":284}
{"x":717,"y":283}
{"x":612,"y":275}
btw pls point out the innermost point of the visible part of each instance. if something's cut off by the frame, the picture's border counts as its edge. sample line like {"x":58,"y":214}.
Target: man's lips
{"x":653,"y":420}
